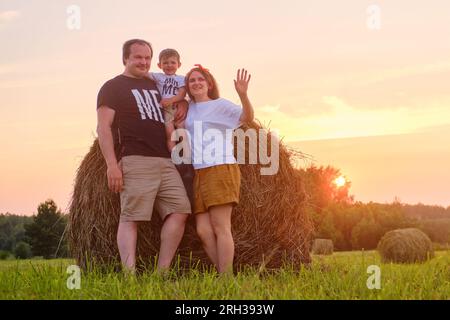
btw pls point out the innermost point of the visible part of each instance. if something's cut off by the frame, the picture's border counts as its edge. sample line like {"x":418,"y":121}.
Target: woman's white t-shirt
{"x":210,"y":125}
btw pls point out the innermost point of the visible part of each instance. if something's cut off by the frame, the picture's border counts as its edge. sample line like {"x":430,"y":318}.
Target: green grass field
{"x":340,"y":276}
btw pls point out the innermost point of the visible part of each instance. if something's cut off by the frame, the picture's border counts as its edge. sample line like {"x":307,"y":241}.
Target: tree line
{"x":351,"y":225}
{"x":355,"y":225}
{"x":40,"y":235}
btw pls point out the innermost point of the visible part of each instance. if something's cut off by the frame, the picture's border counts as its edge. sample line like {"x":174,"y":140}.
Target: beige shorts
{"x":151,"y":182}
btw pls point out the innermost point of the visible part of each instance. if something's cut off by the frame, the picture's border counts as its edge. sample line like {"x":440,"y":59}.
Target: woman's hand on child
{"x":241,"y":82}
{"x":182,"y":110}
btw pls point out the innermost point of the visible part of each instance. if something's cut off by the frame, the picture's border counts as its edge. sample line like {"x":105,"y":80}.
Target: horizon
{"x":312,"y":159}
{"x":347,"y":83}
{"x":374,"y":202}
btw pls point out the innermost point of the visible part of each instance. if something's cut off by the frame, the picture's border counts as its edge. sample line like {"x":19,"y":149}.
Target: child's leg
{"x":169,"y":117}
{"x":170,"y":130}
{"x":185,"y":145}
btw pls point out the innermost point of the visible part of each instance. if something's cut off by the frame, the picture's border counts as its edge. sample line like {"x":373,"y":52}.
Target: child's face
{"x":169,"y":65}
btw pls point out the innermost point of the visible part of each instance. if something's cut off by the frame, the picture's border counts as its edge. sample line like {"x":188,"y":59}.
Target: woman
{"x":217,"y":175}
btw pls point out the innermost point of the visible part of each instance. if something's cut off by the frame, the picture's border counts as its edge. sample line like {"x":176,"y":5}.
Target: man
{"x":130,"y":118}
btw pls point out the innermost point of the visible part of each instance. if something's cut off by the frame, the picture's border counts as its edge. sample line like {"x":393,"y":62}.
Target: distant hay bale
{"x":270,"y":226}
{"x":405,"y":246}
{"x":322,"y":246}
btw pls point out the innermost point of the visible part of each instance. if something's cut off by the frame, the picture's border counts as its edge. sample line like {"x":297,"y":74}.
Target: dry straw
{"x":322,"y":246}
{"x":405,"y":246}
{"x":270,"y":226}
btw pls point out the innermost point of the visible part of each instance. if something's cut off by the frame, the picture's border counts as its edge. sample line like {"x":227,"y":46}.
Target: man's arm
{"x":105,"y":118}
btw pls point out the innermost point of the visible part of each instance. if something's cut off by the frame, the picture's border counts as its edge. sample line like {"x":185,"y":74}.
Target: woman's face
{"x":198,"y":86}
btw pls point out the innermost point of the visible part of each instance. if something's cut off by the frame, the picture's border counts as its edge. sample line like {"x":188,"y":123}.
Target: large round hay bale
{"x":405,"y":246}
{"x":270,"y":225}
{"x":322,"y":246}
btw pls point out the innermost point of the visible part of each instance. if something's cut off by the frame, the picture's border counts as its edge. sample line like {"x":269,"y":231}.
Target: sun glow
{"x":340,"y":181}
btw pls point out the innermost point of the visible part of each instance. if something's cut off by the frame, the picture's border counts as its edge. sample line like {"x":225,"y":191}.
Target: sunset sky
{"x":374,"y":103}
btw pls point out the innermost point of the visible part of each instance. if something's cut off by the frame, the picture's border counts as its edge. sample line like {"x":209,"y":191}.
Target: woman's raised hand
{"x":241,"y":82}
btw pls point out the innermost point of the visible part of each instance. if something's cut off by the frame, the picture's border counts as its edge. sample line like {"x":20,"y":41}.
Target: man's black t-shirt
{"x":138,"y":118}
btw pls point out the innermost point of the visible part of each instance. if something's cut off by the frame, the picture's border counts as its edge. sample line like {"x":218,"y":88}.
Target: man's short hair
{"x":167,"y":53}
{"x":126,"y":49}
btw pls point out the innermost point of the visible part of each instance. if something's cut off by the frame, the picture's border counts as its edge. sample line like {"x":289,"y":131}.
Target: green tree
{"x":320,"y":184}
{"x":22,"y":250}
{"x":4,"y":255}
{"x":46,"y":233}
{"x":366,"y":234}
{"x":12,"y":230}
{"x":327,"y":230}
{"x":437,"y":229}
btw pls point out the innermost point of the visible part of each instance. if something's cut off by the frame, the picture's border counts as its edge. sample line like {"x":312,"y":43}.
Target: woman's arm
{"x":241,"y":86}
{"x":182,"y":110}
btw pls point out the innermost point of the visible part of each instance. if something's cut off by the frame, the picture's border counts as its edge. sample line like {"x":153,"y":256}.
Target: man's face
{"x":169,"y":65}
{"x":138,"y":62}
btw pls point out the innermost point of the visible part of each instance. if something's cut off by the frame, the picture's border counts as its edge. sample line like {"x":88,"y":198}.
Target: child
{"x":171,"y":88}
